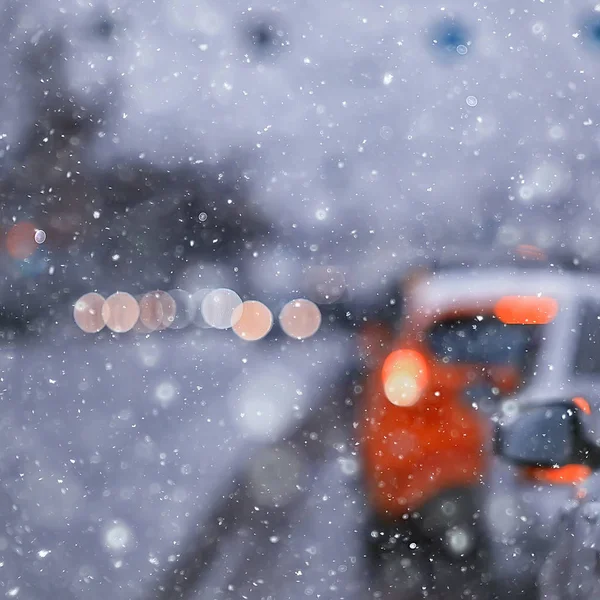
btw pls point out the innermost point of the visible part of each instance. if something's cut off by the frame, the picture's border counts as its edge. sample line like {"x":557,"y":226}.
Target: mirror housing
{"x":544,"y":435}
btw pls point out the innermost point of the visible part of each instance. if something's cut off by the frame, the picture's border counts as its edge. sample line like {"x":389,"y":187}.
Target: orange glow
{"x":405,"y":376}
{"x":300,"y":319}
{"x":151,"y":311}
{"x":157,"y":311}
{"x":526,"y":310}
{"x":583,"y":405}
{"x":87,"y":313}
{"x":252,"y":320}
{"x":529,"y":251}
{"x":120,"y":312}
{"x":569,"y":474}
{"x":20,"y":240}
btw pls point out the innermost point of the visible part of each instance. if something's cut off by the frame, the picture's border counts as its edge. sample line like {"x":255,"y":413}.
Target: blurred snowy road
{"x":184,"y":465}
{"x":114,"y":448}
{"x":290,"y":529}
{"x":189,"y":465}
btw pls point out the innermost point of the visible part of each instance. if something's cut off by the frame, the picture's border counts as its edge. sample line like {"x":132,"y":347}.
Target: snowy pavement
{"x":190,"y":464}
{"x":186,"y":465}
{"x":114,"y":447}
{"x":307,"y":542}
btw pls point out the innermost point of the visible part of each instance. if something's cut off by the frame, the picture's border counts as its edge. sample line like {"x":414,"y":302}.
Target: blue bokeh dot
{"x":449,"y":36}
{"x":35,"y":265}
{"x":591,"y":29}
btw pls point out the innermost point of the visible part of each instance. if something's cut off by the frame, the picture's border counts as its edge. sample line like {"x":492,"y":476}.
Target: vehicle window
{"x":483,"y":339}
{"x":587,"y":357}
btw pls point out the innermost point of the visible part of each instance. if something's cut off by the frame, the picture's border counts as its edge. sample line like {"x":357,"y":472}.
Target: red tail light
{"x":526,"y":310}
{"x":583,"y":405}
{"x":405,"y":375}
{"x":570,"y":474}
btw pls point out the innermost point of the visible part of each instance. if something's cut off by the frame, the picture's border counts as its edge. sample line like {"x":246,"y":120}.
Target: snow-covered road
{"x":186,"y":464}
{"x":114,"y":448}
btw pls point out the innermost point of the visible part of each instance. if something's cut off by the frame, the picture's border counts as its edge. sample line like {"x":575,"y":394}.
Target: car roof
{"x":435,"y":291}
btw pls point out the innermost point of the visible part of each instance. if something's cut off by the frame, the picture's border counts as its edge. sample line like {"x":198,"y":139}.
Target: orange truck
{"x":468,"y":338}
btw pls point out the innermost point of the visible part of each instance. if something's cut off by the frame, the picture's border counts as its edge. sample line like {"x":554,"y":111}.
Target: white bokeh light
{"x":218,"y":308}
{"x":118,"y":537}
{"x":166,"y":393}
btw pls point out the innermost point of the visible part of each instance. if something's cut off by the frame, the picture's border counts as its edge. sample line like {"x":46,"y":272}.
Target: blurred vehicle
{"x":473,"y":332}
{"x":522,"y":501}
{"x":570,"y":571}
{"x":554,"y":435}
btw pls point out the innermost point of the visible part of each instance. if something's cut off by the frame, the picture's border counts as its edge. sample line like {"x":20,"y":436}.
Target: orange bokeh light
{"x":20,"y":240}
{"x":120,"y":312}
{"x":139,"y":326}
{"x":300,"y":319}
{"x":526,"y":310}
{"x":157,"y":312}
{"x":151,"y":311}
{"x":252,"y":320}
{"x":87,"y":313}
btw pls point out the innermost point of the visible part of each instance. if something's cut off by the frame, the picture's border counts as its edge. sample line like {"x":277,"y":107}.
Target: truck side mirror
{"x":540,"y":436}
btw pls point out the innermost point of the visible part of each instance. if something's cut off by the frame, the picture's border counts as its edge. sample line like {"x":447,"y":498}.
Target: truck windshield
{"x":483,"y":339}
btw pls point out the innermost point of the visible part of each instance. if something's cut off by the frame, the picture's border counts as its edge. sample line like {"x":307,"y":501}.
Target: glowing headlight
{"x":405,"y":376}
{"x":402,"y":389}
